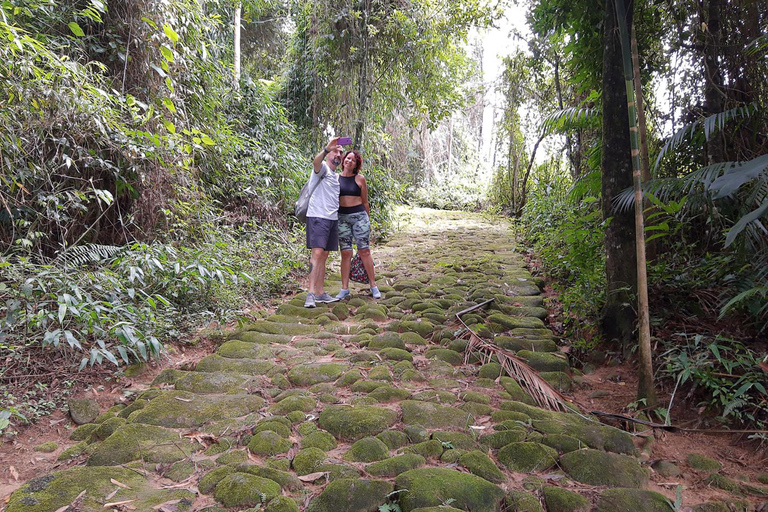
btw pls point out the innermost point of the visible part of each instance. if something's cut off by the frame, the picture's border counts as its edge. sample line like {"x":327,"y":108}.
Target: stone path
{"x":364,"y":406}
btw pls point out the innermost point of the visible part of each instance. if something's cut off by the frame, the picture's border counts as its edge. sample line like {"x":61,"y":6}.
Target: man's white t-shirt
{"x":324,"y":202}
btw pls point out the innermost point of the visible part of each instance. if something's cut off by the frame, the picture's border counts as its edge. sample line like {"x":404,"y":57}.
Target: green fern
{"x":569,"y":119}
{"x":88,"y":253}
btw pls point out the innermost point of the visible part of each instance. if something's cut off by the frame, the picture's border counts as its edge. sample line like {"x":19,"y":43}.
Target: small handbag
{"x":302,"y":203}
{"x":357,"y":271}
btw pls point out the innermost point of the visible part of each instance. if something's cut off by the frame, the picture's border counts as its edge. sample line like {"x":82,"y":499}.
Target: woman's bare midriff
{"x":350,"y":201}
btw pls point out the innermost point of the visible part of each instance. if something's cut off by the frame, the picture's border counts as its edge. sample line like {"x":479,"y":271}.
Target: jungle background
{"x":151,"y":151}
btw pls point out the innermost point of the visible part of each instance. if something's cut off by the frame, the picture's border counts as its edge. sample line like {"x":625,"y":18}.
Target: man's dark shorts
{"x":322,"y":233}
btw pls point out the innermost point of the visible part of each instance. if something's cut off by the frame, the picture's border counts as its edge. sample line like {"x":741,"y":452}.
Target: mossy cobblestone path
{"x":357,"y":404}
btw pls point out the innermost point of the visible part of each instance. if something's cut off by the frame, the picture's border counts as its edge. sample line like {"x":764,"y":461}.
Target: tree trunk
{"x":238,"y":15}
{"x":619,"y":317}
{"x":363,"y":86}
{"x":714,"y":96}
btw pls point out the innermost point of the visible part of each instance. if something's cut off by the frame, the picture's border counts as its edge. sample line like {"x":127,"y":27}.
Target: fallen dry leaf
{"x":168,"y":506}
{"x":118,"y":504}
{"x":183,"y":399}
{"x":119,"y":484}
{"x":313,"y":476}
{"x":14,"y":473}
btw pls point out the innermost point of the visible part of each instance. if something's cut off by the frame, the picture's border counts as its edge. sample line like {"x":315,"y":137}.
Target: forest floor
{"x":433,"y":257}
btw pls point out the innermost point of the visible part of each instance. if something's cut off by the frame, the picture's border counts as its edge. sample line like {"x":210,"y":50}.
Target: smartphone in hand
{"x":344,"y":141}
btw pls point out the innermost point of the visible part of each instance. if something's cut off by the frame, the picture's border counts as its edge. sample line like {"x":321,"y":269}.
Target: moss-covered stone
{"x":516,"y":322}
{"x":432,"y":487}
{"x":349,"y":378}
{"x":561,"y":381}
{"x":516,"y":392}
{"x":396,"y":465}
{"x":478,"y":463}
{"x":366,"y":386}
{"x":210,"y":382}
{"x":48,"y":447}
{"x":268,"y":443}
{"x":636,"y":500}
{"x":351,"y":495}
{"x":73,"y":451}
{"x":108,"y":427}
{"x":521,"y":501}
{"x":242,"y":490}
{"x":431,"y":449}
{"x":180,"y":470}
{"x":83,"y":432}
{"x":282,"y":504}
{"x":232,"y":457}
{"x":319,"y":439}
{"x":308,"y":460}
{"x":367,"y":449}
{"x":353,"y":423}
{"x":458,"y":440}
{"x":281,"y":328}
{"x":276,"y":425}
{"x":287,"y":481}
{"x":385,"y":394}
{"x":558,"y":499}
{"x":666,"y":469}
{"x":562,"y":443}
{"x":259,"y":338}
{"x":386,"y":340}
{"x":533,"y":342}
{"x":722,"y":482}
{"x":396,"y":354}
{"x":380,"y":372}
{"x":59,"y":489}
{"x":180,"y":409}
{"x":431,"y":415}
{"x":527,"y":457}
{"x":435,"y":395}
{"x":703,"y":463}
{"x":141,"y":442}
{"x":489,"y":371}
{"x":502,"y":438}
{"x":475,"y":397}
{"x":211,"y":479}
{"x":309,"y":374}
{"x":83,"y":410}
{"x":293,"y":403}
{"x":594,"y":467}
{"x":544,"y":361}
{"x":216,"y":363}
{"x":444,"y":354}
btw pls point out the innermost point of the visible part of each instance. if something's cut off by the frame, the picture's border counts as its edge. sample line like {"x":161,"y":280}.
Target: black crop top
{"x":348,"y":186}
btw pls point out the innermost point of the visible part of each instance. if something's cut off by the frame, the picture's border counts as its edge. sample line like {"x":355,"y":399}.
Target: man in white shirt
{"x":323,"y":220}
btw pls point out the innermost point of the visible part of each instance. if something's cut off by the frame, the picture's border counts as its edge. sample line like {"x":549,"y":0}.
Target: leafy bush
{"x":724,"y":374}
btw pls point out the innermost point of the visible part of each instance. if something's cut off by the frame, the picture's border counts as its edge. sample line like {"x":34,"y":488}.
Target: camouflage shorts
{"x":354,"y":226}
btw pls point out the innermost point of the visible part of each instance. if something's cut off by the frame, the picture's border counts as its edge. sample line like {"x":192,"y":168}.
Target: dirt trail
{"x":363,"y":403}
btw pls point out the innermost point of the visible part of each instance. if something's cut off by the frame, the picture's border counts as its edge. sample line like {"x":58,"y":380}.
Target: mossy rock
{"x":242,"y":490}
{"x":703,"y":463}
{"x":396,"y":465}
{"x":394,"y":439}
{"x":108,"y":428}
{"x":236,"y":349}
{"x":380,"y":372}
{"x":515,"y":322}
{"x":210,"y":382}
{"x":435,"y":395}
{"x":712,"y":506}
{"x":558,"y":499}
{"x":168,"y":376}
{"x":353,"y":423}
{"x":351,"y":495}
{"x":232,"y":457}
{"x":281,"y":328}
{"x":432,"y":487}
{"x":517,"y":393}
{"x":413,"y":338}
{"x":83,"y":410}
{"x":216,"y":363}
{"x":527,"y":457}
{"x":431,"y":449}
{"x":366,"y":386}
{"x":439,"y":368}
{"x":452,"y":456}
{"x":475,"y":397}
{"x":521,"y":501}
{"x":259,"y":338}
{"x":59,"y":489}
{"x":49,"y":447}
{"x":666,"y":469}
{"x":478,"y":463}
{"x":287,"y":481}
{"x":134,"y":441}
{"x":349,"y":378}
{"x":211,"y":479}
{"x":562,"y":443}
{"x":539,"y":343}
{"x":502,"y":438}
{"x":293,"y":403}
{"x":544,"y":361}
{"x":180,"y":470}
{"x":319,"y":439}
{"x":423,"y":328}
{"x":432,"y":415}
{"x":282,"y":504}
{"x":594,"y":467}
{"x":278,"y":425}
{"x":561,"y":381}
{"x":73,"y":451}
{"x":308,"y":460}
{"x":489,"y":371}
{"x":458,"y":440}
{"x":476,"y":409}
{"x":636,"y":500}
{"x":384,"y":394}
{"x":396,"y":354}
{"x":722,"y":482}
{"x":181,"y":409}
{"x":268,"y":442}
{"x":412,"y":376}
{"x":386,"y":340}
{"x":83,"y":432}
{"x":309,"y":374}
{"x":444,"y":354}
{"x":367,"y":449}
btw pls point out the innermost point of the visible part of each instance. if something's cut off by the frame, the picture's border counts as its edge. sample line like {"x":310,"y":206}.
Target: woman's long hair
{"x":358,"y":159}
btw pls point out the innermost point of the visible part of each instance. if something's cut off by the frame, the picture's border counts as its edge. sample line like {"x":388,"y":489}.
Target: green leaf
{"x":75,"y":28}
{"x":170,"y":33}
{"x":207,"y":140}
{"x":62,"y":312}
{"x":167,"y":53}
{"x":168,"y":103}
{"x":169,"y":126}
{"x":744,"y":221}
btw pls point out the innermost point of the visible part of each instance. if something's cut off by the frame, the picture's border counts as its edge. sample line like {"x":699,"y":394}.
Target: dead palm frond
{"x":540,"y":390}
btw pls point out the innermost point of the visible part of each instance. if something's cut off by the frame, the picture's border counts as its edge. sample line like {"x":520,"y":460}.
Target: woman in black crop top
{"x":354,"y":221}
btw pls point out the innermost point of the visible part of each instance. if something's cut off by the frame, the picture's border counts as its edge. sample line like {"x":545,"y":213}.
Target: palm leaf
{"x":540,"y":390}
{"x":737,"y":175}
{"x":587,"y":185}
{"x":711,"y":124}
{"x":746,"y":220}
{"x":88,"y":253}
{"x":569,"y":119}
